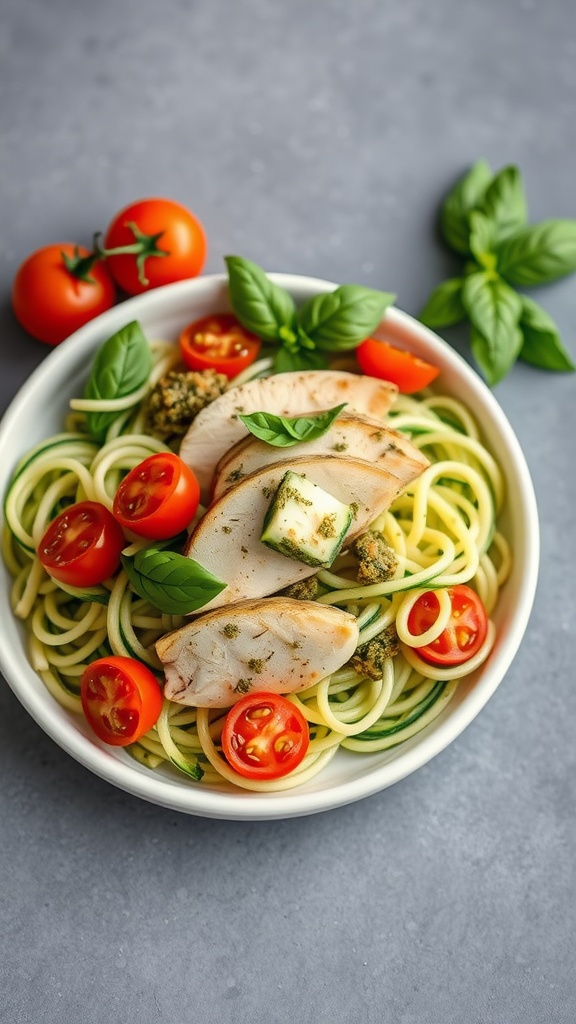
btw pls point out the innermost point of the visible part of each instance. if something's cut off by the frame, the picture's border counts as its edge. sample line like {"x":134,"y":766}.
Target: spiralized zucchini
{"x":443,"y":529}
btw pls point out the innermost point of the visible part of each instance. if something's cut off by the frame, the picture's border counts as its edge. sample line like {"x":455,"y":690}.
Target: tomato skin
{"x":50,"y":302}
{"x":181,"y":236}
{"x":218,"y":342}
{"x":121,"y":699}
{"x":464,"y":634}
{"x":82,"y":545}
{"x":380,"y":359}
{"x":265,"y":736}
{"x":158,"y":498}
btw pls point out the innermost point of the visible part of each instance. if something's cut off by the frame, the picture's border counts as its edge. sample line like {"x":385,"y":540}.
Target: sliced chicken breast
{"x":217,"y":427}
{"x":350,"y":436}
{"x":276,"y":644}
{"x":226,"y":541}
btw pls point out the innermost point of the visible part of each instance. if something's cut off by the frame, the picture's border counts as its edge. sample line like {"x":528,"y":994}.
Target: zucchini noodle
{"x":442,"y":528}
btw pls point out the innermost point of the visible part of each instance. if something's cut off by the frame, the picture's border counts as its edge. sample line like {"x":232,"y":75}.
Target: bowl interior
{"x":37,"y":412}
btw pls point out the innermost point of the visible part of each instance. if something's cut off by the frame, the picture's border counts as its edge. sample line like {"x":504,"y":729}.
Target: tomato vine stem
{"x":80,"y":266}
{"x":142,"y":247}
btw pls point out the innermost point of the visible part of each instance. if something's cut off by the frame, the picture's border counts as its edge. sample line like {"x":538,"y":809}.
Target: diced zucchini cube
{"x":305,"y":522}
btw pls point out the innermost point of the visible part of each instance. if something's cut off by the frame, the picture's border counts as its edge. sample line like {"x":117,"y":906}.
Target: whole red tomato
{"x":153,"y":242}
{"x":58,"y":289}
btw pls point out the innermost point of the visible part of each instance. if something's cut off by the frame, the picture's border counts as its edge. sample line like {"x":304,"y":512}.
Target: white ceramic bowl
{"x":37,"y":411}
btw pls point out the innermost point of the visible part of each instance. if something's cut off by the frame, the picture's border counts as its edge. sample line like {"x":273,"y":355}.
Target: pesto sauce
{"x":327,"y":527}
{"x":231,"y":630}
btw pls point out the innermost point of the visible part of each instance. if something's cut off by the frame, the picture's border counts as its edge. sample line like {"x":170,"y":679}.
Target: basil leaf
{"x":492,"y":306}
{"x":542,"y":345}
{"x":269,"y":428}
{"x":284,"y":432}
{"x":495,"y":361}
{"x":171,"y":582}
{"x":482,"y":235}
{"x":444,"y":306}
{"x":122,"y":365}
{"x":288,"y":359}
{"x":466,"y":194}
{"x":494,"y":310}
{"x":261,"y":306}
{"x":539,"y":254}
{"x":504,"y":203}
{"x":340,"y":320}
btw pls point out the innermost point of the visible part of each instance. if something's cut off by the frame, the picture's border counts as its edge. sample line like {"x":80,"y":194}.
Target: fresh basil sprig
{"x":122,"y":365}
{"x":283,"y":431}
{"x":171,"y":582}
{"x":331,"y":322}
{"x":484,"y":218}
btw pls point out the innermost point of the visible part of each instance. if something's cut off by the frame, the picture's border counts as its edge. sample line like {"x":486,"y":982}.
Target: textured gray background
{"x":314,"y":137}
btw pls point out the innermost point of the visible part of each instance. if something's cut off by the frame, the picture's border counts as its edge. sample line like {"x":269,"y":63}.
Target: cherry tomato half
{"x":121,"y":699}
{"x":466,"y":630}
{"x":162,"y":241}
{"x":218,"y":342}
{"x":387,"y":362}
{"x":265,"y":736}
{"x":50,"y":301}
{"x":158,"y":498}
{"x":82,"y":545}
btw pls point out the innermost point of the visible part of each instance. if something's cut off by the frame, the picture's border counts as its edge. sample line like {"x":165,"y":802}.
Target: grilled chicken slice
{"x":276,"y":644}
{"x":351,"y":436}
{"x":217,"y":427}
{"x":226,"y":541}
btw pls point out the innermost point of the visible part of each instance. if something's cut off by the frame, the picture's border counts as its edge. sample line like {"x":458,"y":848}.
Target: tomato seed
{"x":251,"y":751}
{"x":283,"y":744}
{"x":97,"y":688}
{"x":137,"y":504}
{"x":257,"y":713}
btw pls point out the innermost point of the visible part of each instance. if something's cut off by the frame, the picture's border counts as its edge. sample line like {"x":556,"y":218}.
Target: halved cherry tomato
{"x":158,"y":498}
{"x":51,"y":300}
{"x":82,"y":545}
{"x":218,"y":342}
{"x":159,"y":241}
{"x":121,"y":699}
{"x":380,"y":359}
{"x":465,"y":632}
{"x":265,"y":736}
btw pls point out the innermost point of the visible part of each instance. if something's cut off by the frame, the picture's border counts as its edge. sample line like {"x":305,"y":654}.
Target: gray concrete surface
{"x":314,"y":136}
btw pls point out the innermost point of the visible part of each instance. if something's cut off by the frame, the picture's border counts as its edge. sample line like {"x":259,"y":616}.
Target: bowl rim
{"x":243,"y":804}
